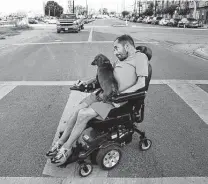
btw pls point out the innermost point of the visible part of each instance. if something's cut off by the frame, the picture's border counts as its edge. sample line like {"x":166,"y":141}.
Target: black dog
{"x":105,"y":77}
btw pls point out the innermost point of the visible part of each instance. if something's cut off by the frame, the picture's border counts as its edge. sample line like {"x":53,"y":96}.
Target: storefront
{"x":201,"y":12}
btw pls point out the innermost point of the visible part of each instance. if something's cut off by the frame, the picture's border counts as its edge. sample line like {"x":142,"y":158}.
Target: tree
{"x":103,"y":11}
{"x":186,"y":9}
{"x":52,"y":8}
{"x":149,"y":10}
{"x":170,"y":10}
{"x":80,"y":10}
{"x":159,"y":12}
{"x":112,"y":12}
{"x":124,"y":13}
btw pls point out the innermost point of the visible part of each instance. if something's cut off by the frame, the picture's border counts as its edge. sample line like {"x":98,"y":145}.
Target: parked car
{"x":135,"y":19}
{"x":144,"y":20}
{"x":149,"y":20}
{"x":164,"y":22}
{"x":189,"y":22}
{"x":156,"y":20}
{"x":174,"y":22}
{"x":139,"y":19}
{"x":52,"y":21}
{"x":131,"y":19}
{"x":32,"y":21}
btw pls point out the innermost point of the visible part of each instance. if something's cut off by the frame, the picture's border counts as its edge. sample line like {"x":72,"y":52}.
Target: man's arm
{"x":92,"y":84}
{"x":139,"y":84}
{"x":91,"y":81}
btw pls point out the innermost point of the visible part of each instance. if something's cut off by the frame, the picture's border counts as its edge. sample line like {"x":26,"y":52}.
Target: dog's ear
{"x":105,"y":59}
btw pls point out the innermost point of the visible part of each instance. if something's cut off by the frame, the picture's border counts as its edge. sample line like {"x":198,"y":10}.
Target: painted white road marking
{"x":5,"y":89}
{"x":71,"y":170}
{"x":38,"y":83}
{"x":162,"y":180}
{"x":76,"y":42}
{"x":70,"y":83}
{"x":195,"y":97}
{"x":100,"y":180}
{"x":90,"y":35}
{"x":74,"y":98}
{"x":173,"y":28}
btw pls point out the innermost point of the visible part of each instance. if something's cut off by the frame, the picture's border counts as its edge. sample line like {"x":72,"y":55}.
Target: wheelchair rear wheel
{"x":107,"y":158}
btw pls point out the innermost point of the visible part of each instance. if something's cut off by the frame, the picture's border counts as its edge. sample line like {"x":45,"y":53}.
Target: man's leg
{"x":69,"y":126}
{"x":71,"y":122}
{"x":84,"y":116}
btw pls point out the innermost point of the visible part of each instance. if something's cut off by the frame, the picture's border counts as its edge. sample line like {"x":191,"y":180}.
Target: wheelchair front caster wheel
{"x":107,"y":158}
{"x":145,"y":144}
{"x":85,"y":169}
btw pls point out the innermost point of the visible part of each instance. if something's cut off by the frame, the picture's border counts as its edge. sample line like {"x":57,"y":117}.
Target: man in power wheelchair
{"x":102,"y":138}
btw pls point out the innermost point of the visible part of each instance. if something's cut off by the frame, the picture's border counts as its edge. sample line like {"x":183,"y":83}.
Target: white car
{"x":52,"y":21}
{"x":164,"y":22}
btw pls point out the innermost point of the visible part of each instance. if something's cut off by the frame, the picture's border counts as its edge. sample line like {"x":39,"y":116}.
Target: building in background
{"x":201,"y":10}
{"x":70,"y":6}
{"x":141,"y":6}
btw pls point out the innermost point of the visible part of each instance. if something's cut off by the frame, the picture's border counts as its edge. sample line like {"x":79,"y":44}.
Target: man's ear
{"x":126,"y":46}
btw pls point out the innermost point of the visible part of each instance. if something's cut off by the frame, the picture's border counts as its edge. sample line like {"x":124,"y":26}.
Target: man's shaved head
{"x":124,"y":39}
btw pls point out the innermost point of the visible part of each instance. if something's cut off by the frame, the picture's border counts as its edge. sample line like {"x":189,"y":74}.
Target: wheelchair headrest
{"x":146,"y":50}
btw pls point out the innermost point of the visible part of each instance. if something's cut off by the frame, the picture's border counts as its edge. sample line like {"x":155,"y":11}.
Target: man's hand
{"x":79,"y":82}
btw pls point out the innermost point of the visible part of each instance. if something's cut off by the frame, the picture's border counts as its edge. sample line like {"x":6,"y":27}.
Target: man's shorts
{"x":98,"y":106}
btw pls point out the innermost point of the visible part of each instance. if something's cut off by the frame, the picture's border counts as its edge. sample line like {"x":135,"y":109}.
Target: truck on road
{"x":69,"y":22}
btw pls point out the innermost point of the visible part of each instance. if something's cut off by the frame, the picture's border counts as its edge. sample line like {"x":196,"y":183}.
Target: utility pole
{"x":155,"y":3}
{"x":195,"y":8}
{"x":139,"y":7}
{"x":86,"y":8}
{"x":73,"y":6}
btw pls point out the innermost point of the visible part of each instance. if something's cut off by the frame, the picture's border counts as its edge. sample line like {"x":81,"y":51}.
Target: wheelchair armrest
{"x":129,"y":96}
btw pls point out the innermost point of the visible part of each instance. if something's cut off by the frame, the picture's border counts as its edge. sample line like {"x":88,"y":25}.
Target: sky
{"x":9,"y":6}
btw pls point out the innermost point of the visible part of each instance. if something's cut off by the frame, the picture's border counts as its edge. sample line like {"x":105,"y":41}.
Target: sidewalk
{"x":200,"y":50}
{"x":205,"y":26}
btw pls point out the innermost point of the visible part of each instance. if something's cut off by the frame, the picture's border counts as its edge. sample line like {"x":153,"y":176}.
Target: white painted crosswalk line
{"x":70,"y":171}
{"x":70,"y":83}
{"x":74,"y":98}
{"x":164,"y":180}
{"x":5,"y":89}
{"x":195,"y":97}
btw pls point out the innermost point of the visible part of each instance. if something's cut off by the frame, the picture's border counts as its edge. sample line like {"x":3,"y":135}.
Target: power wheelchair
{"x":102,"y":140}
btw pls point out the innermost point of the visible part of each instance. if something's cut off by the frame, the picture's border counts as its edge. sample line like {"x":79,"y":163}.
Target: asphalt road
{"x":29,"y":115}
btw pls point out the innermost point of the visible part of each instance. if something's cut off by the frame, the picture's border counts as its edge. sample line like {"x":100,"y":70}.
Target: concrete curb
{"x":201,"y":52}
